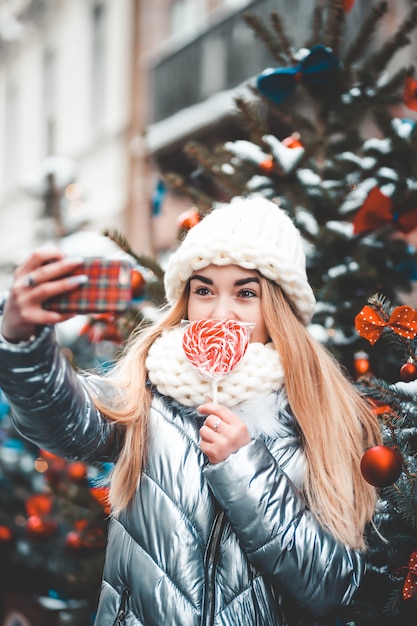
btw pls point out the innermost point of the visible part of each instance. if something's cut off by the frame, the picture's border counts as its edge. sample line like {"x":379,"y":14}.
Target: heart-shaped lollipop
{"x":215,"y":347}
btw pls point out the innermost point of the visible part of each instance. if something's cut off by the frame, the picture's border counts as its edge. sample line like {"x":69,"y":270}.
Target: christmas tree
{"x":389,"y":593}
{"x":327,"y":135}
{"x":320,"y":138}
{"x":53,"y":524}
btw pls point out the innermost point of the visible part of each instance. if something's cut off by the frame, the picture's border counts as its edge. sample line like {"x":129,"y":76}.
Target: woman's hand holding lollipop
{"x":214,"y":348}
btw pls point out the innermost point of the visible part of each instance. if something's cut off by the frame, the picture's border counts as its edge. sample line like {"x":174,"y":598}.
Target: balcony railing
{"x":222,"y":57}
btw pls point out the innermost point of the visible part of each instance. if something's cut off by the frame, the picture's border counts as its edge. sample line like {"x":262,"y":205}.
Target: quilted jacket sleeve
{"x":279,"y":534}
{"x":51,"y":405}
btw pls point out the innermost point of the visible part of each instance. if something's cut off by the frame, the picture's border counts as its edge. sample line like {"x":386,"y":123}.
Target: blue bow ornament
{"x":319,"y":69}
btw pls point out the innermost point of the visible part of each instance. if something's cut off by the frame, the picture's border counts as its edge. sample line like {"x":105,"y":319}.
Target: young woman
{"x":230,"y":512}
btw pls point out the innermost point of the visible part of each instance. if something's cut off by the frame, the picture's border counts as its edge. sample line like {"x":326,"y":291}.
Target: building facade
{"x":97,"y":95}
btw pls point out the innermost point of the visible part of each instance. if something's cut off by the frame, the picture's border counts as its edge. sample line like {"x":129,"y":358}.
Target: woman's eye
{"x":201,"y":291}
{"x":247,"y":293}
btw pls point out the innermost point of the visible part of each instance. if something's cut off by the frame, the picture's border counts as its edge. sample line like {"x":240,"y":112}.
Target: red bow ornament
{"x":403,"y":321}
{"x":378,"y":210}
{"x":410,"y":584}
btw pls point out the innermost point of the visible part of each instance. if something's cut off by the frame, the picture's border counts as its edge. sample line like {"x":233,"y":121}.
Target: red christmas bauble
{"x":293,"y":141}
{"x":77,"y":471}
{"x":410,"y":93}
{"x":39,"y":504}
{"x":361,"y":362}
{"x":408,"y":371}
{"x":138,"y":284}
{"x":5,"y":534}
{"x":38,"y":528}
{"x":187,"y":219}
{"x":381,"y":466}
{"x":267,"y":166}
{"x":73,"y":540}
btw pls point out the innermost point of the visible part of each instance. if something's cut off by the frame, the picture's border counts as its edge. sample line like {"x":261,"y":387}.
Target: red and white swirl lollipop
{"x":215,"y":347}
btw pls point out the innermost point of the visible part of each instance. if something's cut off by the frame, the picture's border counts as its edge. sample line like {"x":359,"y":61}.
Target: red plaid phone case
{"x":109,"y":289}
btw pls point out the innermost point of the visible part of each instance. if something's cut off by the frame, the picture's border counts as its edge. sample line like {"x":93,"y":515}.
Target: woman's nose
{"x":222,"y":309}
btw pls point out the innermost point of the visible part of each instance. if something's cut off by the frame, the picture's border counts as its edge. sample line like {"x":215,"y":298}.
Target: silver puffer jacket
{"x":227,"y":545}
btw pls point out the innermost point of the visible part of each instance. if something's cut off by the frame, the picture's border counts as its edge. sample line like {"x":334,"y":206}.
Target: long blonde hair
{"x":335,"y":423}
{"x":130,"y":375}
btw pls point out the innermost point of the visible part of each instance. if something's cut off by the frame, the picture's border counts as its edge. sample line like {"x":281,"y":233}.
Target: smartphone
{"x":108,"y":290}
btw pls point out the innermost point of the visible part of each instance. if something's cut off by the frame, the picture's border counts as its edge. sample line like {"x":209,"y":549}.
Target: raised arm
{"x":51,"y":405}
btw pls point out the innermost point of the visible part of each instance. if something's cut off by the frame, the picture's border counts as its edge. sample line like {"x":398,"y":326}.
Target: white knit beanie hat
{"x":253,"y":233}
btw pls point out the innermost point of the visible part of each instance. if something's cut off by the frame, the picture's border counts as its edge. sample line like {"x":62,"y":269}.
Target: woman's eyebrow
{"x":237,"y":283}
{"x":203,"y":279}
{"x":245,"y":281}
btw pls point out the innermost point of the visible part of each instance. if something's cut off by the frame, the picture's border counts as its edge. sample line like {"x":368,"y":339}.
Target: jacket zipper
{"x":123,"y":608}
{"x":211,"y":560}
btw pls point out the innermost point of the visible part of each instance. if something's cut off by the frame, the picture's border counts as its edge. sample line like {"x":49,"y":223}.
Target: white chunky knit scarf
{"x":258,"y":373}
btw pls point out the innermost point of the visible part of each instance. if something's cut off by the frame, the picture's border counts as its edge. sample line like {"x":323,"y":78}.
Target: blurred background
{"x":97,"y":100}
{"x":97,"y":97}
